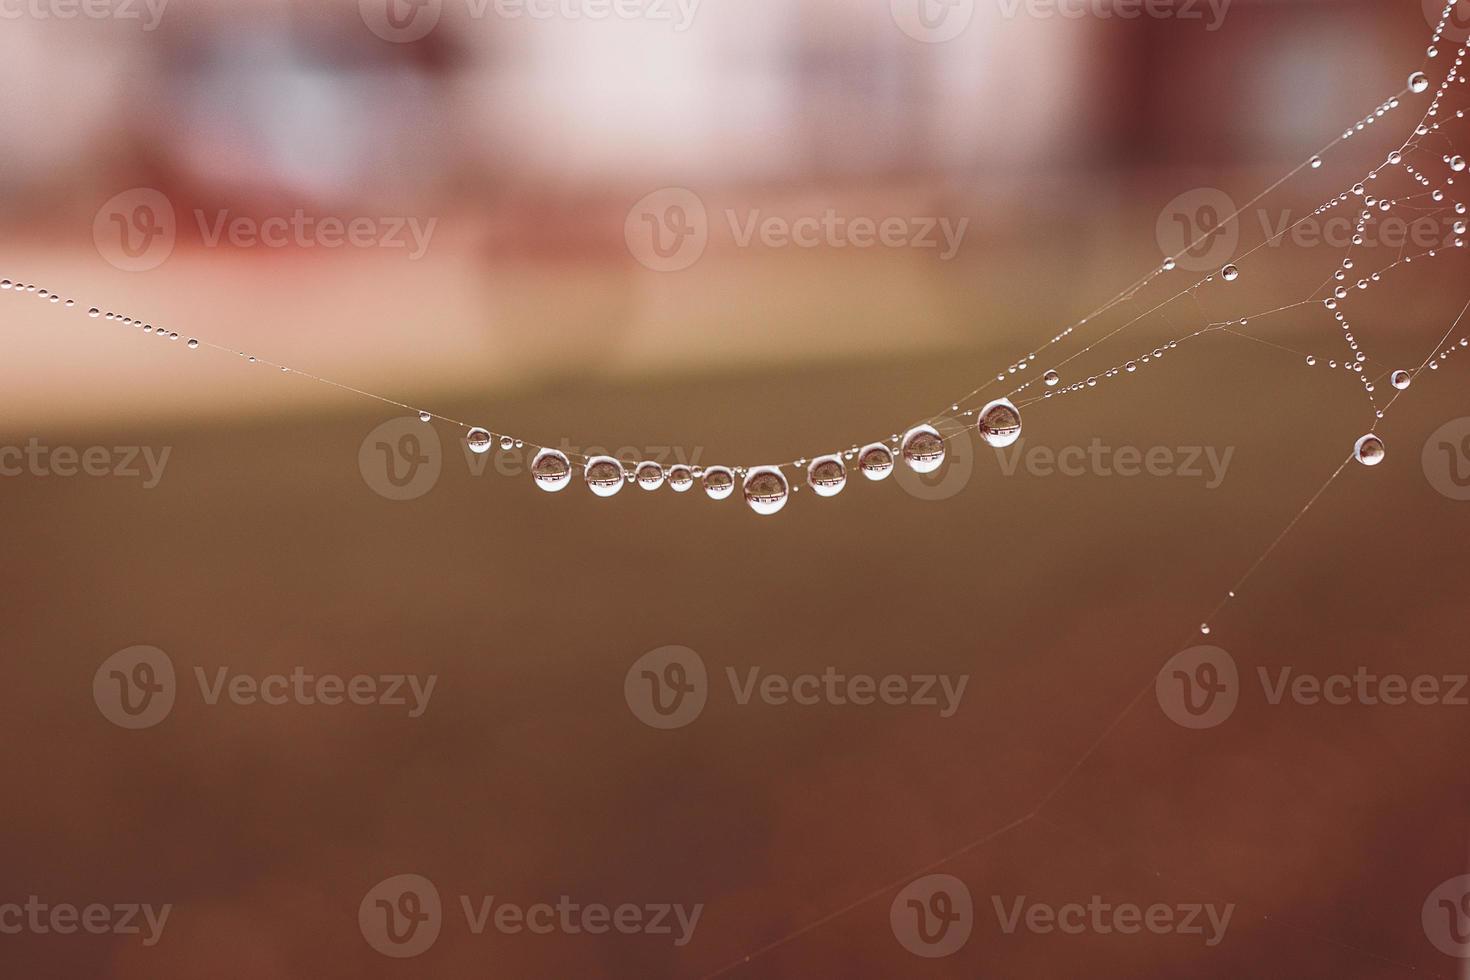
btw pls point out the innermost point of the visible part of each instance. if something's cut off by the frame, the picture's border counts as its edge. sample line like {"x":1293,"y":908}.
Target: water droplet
{"x":719,"y":482}
{"x":1230,"y":273}
{"x":425,"y":417}
{"x":551,"y":471}
{"x":1000,"y":423}
{"x":478,"y":440}
{"x":1169,"y":265}
{"x":604,"y":475}
{"x":1369,"y":450}
{"x":94,"y":313}
{"x":1316,"y":163}
{"x":1457,"y":163}
{"x":1401,"y":380}
{"x":1051,"y":378}
{"x":827,"y":476}
{"x":923,"y":449}
{"x":193,"y":344}
{"x":1311,"y":361}
{"x":876,"y":461}
{"x":681,"y":478}
{"x":766,"y":490}
{"x":1418,"y":82}
{"x":1204,"y":628}
{"x":650,"y":475}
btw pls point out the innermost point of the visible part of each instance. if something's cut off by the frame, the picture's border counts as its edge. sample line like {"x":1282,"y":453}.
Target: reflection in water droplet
{"x":604,"y":475}
{"x":1051,"y":378}
{"x":1000,"y":423}
{"x":650,"y":475}
{"x":766,"y":490}
{"x":923,"y":449}
{"x":876,"y":461}
{"x":1401,"y":380}
{"x":1418,"y":82}
{"x":1369,"y":450}
{"x":1230,"y":273}
{"x":681,"y":478}
{"x":719,"y":482}
{"x":479,"y":440}
{"x":827,"y":476}
{"x":551,"y":471}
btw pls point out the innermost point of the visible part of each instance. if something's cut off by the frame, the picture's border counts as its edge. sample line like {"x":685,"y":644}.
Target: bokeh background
{"x":1064,"y":142}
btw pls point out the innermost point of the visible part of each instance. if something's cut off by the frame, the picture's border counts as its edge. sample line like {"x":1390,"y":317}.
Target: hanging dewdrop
{"x":766,"y":490}
{"x":827,"y":476}
{"x":923,"y":449}
{"x":999,"y":423}
{"x":551,"y":471}
{"x":604,"y":475}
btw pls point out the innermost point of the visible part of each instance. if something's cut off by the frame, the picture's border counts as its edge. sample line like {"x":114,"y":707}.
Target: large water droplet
{"x":681,"y":478}
{"x":1230,"y":273}
{"x":1418,"y":82}
{"x":604,"y":475}
{"x":923,"y":449}
{"x":1401,"y":379}
{"x":827,"y":476}
{"x":1369,"y":450}
{"x":719,"y":482}
{"x":876,"y":461}
{"x":650,"y":475}
{"x":1000,"y":423}
{"x":766,"y":490}
{"x":479,"y":440}
{"x":1051,"y":378}
{"x":551,"y":471}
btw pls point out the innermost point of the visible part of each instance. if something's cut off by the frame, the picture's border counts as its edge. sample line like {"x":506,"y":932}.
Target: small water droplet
{"x":1369,"y":450}
{"x":1401,"y":380}
{"x":650,"y":475}
{"x":425,"y":417}
{"x":1230,"y":273}
{"x":193,"y":344}
{"x":1418,"y":82}
{"x":681,"y":478}
{"x":1051,"y":378}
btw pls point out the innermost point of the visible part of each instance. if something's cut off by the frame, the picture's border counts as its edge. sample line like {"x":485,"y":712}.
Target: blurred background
{"x":552,"y":216}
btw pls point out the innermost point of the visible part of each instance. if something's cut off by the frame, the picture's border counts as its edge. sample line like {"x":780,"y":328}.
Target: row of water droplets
{"x":921,"y":447}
